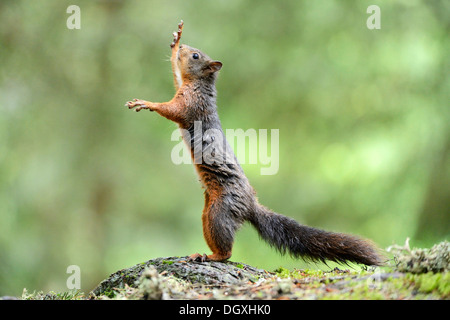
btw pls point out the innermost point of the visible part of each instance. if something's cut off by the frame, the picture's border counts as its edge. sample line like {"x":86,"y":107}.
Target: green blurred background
{"x":363,"y":117}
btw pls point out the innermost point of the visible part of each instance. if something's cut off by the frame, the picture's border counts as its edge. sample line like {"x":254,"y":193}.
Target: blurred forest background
{"x":363,"y":117}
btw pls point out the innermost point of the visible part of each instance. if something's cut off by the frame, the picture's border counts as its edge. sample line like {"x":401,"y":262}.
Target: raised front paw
{"x":177,"y":35}
{"x":138,"y":104}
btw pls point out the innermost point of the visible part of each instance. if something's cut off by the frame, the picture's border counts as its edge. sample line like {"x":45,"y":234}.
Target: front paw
{"x":177,"y":35}
{"x":138,"y":104}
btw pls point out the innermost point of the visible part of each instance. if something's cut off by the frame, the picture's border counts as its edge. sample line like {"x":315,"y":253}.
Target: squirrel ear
{"x":215,"y":66}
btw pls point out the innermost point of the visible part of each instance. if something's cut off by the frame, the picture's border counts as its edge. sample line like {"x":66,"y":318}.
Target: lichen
{"x":436,"y":259}
{"x":40,"y":295}
{"x":414,"y":274}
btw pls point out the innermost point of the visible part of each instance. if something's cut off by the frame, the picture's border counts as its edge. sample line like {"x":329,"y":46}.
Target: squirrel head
{"x":194,"y":64}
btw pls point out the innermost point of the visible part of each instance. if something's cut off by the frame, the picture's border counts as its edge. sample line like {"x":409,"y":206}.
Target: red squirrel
{"x":230,"y":200}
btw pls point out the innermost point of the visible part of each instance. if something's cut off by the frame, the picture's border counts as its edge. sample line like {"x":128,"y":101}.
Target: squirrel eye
{"x":195,"y":56}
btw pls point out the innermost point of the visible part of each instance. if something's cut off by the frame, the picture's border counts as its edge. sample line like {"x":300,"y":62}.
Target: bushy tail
{"x":287,"y":235}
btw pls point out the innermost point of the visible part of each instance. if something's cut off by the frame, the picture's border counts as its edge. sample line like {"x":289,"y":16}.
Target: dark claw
{"x":202,"y":258}
{"x":198,"y":258}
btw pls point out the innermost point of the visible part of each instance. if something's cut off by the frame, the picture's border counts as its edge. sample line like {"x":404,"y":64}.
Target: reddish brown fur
{"x":229,"y":198}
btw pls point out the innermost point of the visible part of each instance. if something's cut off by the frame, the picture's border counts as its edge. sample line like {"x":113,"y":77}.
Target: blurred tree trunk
{"x":434,"y":220}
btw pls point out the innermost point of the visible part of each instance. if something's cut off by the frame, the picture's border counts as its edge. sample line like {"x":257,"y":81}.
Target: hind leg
{"x":218,"y":230}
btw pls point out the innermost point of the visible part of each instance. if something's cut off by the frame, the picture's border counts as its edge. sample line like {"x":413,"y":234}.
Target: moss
{"x":282,"y":272}
{"x":146,"y":281}
{"x":438,"y":283}
{"x":380,"y":284}
{"x":110,"y":293}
